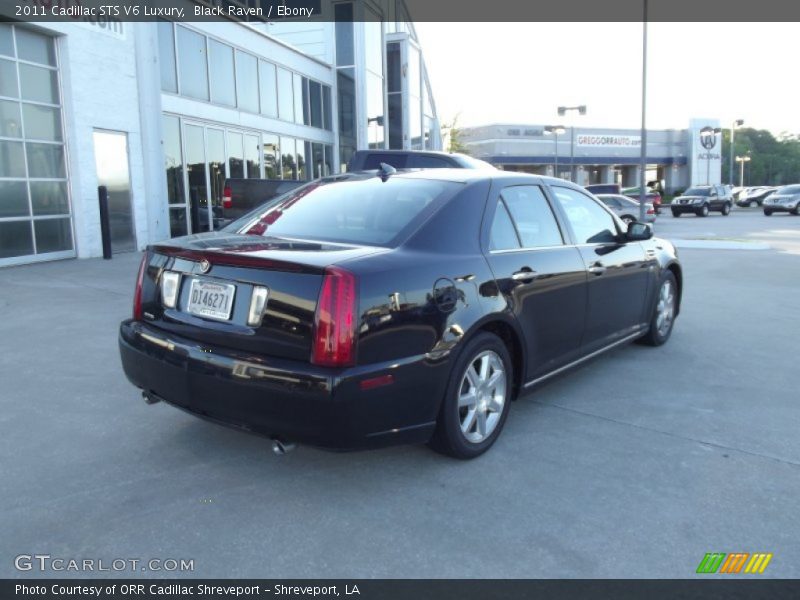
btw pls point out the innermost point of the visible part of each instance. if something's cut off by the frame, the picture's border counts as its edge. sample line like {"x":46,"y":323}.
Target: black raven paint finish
{"x":431,"y":287}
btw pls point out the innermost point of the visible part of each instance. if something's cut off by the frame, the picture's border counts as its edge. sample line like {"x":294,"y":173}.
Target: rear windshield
{"x":697,"y":191}
{"x":363,"y":211}
{"x":789,"y":189}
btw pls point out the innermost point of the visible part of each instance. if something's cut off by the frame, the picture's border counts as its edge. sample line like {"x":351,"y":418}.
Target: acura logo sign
{"x":708,"y":137}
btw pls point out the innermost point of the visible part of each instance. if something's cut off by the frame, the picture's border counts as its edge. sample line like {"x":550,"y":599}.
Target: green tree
{"x":456,"y":143}
{"x":773,"y":161}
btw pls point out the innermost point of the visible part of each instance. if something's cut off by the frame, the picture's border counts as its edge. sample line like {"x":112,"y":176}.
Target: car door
{"x":541,"y":277}
{"x":618,"y":271}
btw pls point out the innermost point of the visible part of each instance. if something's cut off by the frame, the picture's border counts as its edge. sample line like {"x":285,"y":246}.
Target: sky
{"x":520,"y":72}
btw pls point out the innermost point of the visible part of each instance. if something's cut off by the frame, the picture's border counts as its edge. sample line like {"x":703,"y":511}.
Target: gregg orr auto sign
{"x":625,"y":141}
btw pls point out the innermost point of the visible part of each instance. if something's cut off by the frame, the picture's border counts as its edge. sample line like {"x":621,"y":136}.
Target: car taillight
{"x":227,"y":197}
{"x":651,"y":211}
{"x":137,"y":294}
{"x":334,"y":343}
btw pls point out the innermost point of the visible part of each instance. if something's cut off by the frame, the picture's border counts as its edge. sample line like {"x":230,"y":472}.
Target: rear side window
{"x":590,"y":222}
{"x":365,"y":211}
{"x":373,"y":161}
{"x":503,"y":236}
{"x":532,"y":216}
{"x":427,"y":162}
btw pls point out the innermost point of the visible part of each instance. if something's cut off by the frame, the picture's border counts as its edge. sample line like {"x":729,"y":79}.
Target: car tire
{"x":702,"y":212}
{"x":726,"y":210}
{"x":767,"y":213}
{"x":664,"y":307}
{"x":467,"y":427}
{"x":676,"y":214}
{"x":796,"y":210}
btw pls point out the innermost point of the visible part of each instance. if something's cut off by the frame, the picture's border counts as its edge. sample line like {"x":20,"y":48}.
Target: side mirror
{"x":638,"y":232}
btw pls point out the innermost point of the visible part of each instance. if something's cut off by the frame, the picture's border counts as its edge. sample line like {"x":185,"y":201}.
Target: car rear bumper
{"x":294,"y":401}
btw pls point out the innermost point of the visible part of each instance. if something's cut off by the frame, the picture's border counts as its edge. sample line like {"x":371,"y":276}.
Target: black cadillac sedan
{"x":365,"y":310}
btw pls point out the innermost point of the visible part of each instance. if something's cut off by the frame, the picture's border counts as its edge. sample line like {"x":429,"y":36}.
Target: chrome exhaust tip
{"x":281,"y":447}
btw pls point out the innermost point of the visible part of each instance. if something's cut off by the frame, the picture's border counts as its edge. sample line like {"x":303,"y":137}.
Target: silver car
{"x":627,"y":209}
{"x":784,"y":199}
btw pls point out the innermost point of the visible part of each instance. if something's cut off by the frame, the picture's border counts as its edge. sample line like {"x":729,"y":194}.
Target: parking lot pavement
{"x":634,"y":465}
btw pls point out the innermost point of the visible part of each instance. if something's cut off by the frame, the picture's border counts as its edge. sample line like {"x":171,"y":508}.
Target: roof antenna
{"x":385,"y":171}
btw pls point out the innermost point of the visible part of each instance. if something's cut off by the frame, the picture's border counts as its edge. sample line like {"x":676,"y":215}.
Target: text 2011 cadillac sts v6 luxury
{"x":364,"y":310}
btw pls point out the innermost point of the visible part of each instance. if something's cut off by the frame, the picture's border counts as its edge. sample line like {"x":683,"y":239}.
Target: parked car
{"x":784,"y":199}
{"x":652,"y":196}
{"x":626,"y":208}
{"x":754,"y":197}
{"x":603,"y":188}
{"x":701,"y":199}
{"x":240,"y":196}
{"x":361,"y":311}
{"x":369,"y":160}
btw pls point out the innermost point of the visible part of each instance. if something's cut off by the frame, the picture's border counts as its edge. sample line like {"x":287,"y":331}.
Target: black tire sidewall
{"x":448,"y":437}
{"x":655,"y":338}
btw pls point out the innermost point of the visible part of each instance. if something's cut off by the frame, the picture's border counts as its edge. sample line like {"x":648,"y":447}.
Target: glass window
{"x":288,"y":158}
{"x":12,"y":159}
{"x":10,"y":124}
{"x":38,"y":84}
{"x":6,"y":40}
{"x":503,"y":235}
{"x":393,"y":68}
{"x":192,"y":64}
{"x":236,"y":155}
{"x":196,"y":169}
{"x":367,"y":211}
{"x":272,"y":169}
{"x":42,"y":122}
{"x":317,"y":161}
{"x":347,"y":114}
{"x":35,"y":47}
{"x":49,"y":198}
{"x":590,"y":222}
{"x":216,"y":167}
{"x":315,"y":102}
{"x":416,"y":161}
{"x":223,"y":86}
{"x":247,"y":81}
{"x":53,"y":235}
{"x":177,"y":222}
{"x":610,"y":201}
{"x":375,"y":110}
{"x":300,"y":100}
{"x":45,"y":161}
{"x":343,"y":15}
{"x":16,"y":239}
{"x":533,"y":218}
{"x":166,"y":56}
{"x":13,"y":199}
{"x":173,"y":160}
{"x":327,"y":121}
{"x":269,"y":94}
{"x":285,"y":95}
{"x":8,"y":79}
{"x":251,"y":157}
{"x":395,"y":121}
{"x":328,"y":159}
{"x":302,"y":153}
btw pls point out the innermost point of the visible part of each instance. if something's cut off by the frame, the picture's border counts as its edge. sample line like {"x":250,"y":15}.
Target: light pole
{"x":643,"y":149}
{"x":563,"y":110}
{"x":736,"y":123}
{"x":741,"y":160}
{"x":708,"y":138}
{"x":555,"y":130}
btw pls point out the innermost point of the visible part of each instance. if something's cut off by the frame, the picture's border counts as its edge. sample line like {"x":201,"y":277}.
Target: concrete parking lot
{"x":634,"y":465}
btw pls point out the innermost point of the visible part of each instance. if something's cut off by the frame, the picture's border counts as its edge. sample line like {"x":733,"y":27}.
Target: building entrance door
{"x":111,"y":163}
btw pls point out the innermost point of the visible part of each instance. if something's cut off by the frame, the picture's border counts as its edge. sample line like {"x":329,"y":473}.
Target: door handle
{"x":597,"y":268}
{"x":524,"y":274}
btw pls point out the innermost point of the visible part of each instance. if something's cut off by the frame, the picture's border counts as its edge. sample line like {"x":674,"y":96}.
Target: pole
{"x":708,"y":167}
{"x":730,"y":170}
{"x":105,"y":226}
{"x":741,"y":173}
{"x":643,"y":157}
{"x":572,"y":153}
{"x":555,"y":174}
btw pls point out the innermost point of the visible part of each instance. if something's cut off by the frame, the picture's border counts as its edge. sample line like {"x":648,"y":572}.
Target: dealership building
{"x":161,"y":113}
{"x":679,"y":157}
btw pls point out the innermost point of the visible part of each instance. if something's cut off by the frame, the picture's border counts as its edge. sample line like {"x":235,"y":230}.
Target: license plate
{"x":211,"y":300}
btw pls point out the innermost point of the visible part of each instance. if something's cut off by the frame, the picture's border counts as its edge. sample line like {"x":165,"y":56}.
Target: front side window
{"x":532,"y":216}
{"x":590,"y":222}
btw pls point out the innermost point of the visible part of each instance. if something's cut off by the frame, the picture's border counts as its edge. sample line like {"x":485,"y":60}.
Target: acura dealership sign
{"x":625,"y":141}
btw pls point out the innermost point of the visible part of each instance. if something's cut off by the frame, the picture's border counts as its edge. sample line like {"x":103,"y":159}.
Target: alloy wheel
{"x":482,"y":396}
{"x":665,"y":309}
